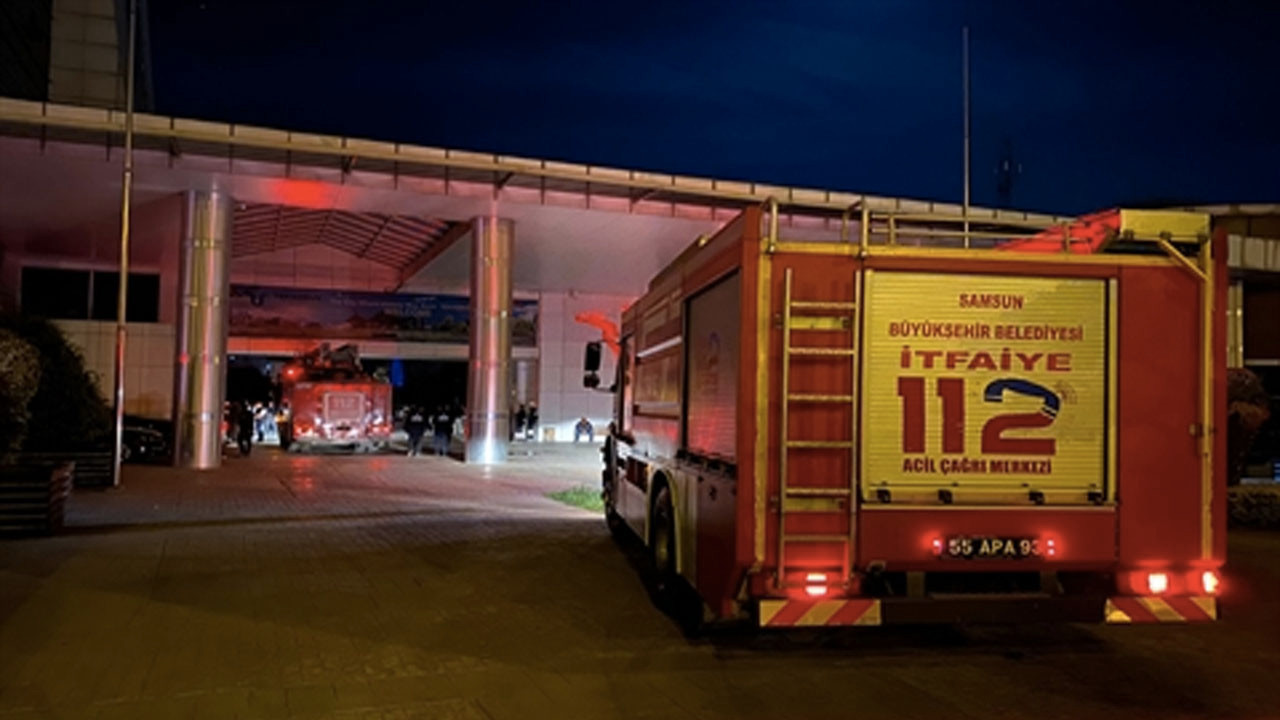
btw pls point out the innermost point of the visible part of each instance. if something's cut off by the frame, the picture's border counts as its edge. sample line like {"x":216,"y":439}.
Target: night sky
{"x":1100,"y":103}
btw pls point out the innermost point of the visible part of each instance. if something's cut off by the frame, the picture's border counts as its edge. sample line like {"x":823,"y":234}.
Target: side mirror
{"x":591,"y":381}
{"x":591,"y":360}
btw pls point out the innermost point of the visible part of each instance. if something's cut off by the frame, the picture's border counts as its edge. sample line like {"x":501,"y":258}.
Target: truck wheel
{"x":612,"y":519}
{"x":662,"y":546}
{"x":672,"y":594}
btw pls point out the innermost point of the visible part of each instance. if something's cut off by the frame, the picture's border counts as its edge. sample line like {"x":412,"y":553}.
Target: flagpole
{"x":126,"y":194}
{"x":965,"y":80}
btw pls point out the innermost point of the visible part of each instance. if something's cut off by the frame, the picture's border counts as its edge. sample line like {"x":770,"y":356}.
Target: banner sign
{"x":262,"y":311}
{"x":984,"y":382}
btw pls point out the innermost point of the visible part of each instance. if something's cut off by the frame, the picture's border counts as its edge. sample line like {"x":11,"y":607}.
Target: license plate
{"x":992,"y":547}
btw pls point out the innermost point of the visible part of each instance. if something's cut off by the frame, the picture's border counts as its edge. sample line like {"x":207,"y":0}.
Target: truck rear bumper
{"x":1130,"y":609}
{"x":946,"y":610}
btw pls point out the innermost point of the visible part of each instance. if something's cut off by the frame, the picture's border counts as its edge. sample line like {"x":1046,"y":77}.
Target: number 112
{"x":951,"y":391}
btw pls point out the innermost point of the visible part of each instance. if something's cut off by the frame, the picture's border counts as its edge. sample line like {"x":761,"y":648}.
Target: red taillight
{"x":1163,"y":580}
{"x":1157,"y":583}
{"x":937,"y":546}
{"x":1051,"y":548}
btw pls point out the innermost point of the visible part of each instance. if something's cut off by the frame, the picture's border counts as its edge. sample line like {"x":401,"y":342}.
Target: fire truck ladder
{"x":817,"y":316}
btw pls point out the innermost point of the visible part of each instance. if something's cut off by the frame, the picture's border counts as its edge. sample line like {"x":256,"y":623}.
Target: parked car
{"x":144,"y":444}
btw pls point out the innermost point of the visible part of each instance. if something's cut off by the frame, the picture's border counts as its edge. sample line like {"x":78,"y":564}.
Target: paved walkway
{"x":272,"y":485}
{"x":390,"y":587}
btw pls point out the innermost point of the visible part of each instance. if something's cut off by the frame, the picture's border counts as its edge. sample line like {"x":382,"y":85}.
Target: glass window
{"x":144,"y":296}
{"x":55,"y":293}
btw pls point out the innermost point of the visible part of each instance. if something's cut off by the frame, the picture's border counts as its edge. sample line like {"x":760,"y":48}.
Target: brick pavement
{"x":390,"y":587}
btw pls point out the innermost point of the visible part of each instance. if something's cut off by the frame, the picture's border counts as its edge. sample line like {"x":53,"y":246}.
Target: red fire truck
{"x":328,"y":400}
{"x":918,"y":421}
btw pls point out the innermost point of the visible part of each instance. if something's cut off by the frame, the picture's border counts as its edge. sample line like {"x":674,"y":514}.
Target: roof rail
{"x":1084,"y":235}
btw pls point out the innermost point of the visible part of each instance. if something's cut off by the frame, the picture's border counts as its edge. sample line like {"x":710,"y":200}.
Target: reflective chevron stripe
{"x":1161,"y":609}
{"x":811,"y":613}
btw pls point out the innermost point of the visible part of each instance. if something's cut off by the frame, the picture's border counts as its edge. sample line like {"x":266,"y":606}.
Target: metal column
{"x":200,"y":372}
{"x":489,"y":369}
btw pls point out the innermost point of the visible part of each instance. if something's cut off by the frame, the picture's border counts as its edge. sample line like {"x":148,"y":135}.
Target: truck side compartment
{"x":651,"y":446}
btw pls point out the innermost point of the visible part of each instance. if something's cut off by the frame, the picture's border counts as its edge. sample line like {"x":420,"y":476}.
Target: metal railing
{"x":887,"y":227}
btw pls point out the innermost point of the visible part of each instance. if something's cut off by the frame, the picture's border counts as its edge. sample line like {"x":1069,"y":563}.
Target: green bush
{"x":19,"y":379}
{"x":1248,"y":407}
{"x":66,"y":412}
{"x":1254,"y":506}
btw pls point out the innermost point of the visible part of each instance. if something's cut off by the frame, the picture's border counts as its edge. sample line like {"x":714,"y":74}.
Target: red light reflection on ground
{"x":301,"y":464}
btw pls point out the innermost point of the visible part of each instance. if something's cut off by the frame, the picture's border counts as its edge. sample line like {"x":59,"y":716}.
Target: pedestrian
{"x":531,"y":421}
{"x":229,"y":415}
{"x":260,"y":420}
{"x":522,"y":416}
{"x":442,"y":431}
{"x":284,"y":425}
{"x":416,"y":425}
{"x":273,"y":429}
{"x":584,"y":428}
{"x":244,"y":429}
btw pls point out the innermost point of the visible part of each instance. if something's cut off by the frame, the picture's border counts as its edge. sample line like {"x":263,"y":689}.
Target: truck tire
{"x":612,"y":520}
{"x":662,"y":542}
{"x":609,"y":479}
{"x":617,"y":526}
{"x":671,"y":593}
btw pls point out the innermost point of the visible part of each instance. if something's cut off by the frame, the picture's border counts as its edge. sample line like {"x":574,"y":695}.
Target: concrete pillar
{"x":200,"y":374}
{"x":489,"y":369}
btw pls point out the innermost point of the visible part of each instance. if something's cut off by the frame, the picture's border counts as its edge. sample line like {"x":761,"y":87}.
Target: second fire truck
{"x":329,"y":401}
